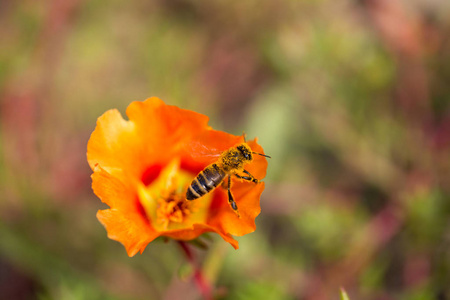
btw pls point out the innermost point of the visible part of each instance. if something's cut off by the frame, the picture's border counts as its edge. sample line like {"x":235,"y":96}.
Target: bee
{"x":230,"y":163}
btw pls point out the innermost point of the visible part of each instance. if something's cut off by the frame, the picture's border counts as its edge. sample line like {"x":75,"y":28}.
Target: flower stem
{"x":202,"y":284}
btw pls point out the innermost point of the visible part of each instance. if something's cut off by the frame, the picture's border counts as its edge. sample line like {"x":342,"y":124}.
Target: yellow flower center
{"x":172,"y":208}
{"x":164,"y":200}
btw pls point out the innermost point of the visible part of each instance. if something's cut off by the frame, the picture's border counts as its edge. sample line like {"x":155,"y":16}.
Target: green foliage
{"x":259,"y":290}
{"x":344,"y":295}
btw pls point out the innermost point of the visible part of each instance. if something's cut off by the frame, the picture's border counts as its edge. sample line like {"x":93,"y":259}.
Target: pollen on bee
{"x":231,"y":159}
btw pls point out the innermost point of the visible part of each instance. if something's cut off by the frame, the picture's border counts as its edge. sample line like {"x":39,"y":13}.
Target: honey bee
{"x":230,"y":163}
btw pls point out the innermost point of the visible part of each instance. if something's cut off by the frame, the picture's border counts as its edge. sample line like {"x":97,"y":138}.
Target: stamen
{"x":173,"y":209}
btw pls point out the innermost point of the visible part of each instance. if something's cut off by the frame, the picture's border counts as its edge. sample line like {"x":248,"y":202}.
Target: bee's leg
{"x":231,"y":199}
{"x":248,"y":178}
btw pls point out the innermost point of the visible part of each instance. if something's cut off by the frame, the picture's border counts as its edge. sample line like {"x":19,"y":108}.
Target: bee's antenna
{"x":262,"y":154}
{"x":244,"y":136}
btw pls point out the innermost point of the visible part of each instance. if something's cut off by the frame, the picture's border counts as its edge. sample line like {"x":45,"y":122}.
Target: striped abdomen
{"x":205,"y":182}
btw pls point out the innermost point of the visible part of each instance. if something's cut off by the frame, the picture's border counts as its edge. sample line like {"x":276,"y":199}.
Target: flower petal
{"x":199,"y":229}
{"x":164,"y":129}
{"x":155,"y":134}
{"x":132,"y":232}
{"x":124,"y":222}
{"x":247,"y":197}
{"x":115,"y":192}
{"x":113,"y":144}
{"x":258,"y":166}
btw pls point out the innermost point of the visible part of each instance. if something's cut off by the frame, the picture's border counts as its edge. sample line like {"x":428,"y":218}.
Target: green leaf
{"x":344,"y":295}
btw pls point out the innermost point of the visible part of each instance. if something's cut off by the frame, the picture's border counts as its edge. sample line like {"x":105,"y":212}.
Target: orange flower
{"x":143,"y":167}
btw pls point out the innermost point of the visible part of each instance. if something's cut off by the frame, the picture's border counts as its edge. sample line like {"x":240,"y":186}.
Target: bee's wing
{"x":200,"y":150}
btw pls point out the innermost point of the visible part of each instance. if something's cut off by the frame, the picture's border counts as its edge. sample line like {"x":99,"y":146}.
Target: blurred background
{"x":351,"y":99}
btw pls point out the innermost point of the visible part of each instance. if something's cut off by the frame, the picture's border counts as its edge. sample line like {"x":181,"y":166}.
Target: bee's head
{"x":245,"y":151}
